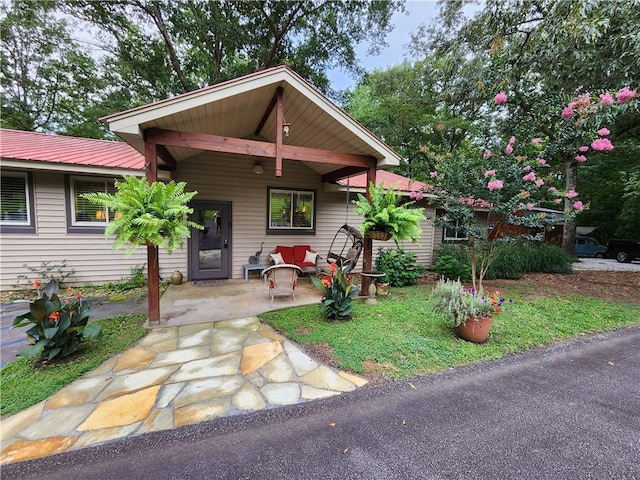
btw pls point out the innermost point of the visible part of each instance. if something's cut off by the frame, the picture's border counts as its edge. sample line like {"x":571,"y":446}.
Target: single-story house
{"x":273,"y":161}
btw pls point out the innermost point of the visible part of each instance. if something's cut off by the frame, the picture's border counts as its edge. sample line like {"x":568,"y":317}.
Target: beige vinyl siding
{"x":229,"y":178}
{"x":91,"y":255}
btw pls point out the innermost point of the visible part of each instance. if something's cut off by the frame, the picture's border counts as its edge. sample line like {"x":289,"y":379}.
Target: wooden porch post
{"x":367,"y":258}
{"x":279,"y":112}
{"x":153,"y":268}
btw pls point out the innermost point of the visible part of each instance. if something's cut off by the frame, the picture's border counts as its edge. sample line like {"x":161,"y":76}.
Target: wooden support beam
{"x":279,"y":114}
{"x":153,"y":269}
{"x":342,"y":173}
{"x":166,"y":157}
{"x":256,"y":148}
{"x":267,"y":112}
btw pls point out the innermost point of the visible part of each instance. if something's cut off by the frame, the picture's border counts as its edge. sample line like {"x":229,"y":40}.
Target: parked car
{"x":624,"y":251}
{"x":589,"y":247}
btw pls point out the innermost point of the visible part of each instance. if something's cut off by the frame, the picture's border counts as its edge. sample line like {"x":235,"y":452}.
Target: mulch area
{"x":621,"y":287}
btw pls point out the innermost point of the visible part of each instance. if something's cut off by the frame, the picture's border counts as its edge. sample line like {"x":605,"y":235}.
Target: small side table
{"x":252,"y":266}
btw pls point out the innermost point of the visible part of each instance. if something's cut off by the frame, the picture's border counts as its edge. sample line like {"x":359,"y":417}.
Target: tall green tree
{"x":205,"y":42}
{"x":47,"y":80}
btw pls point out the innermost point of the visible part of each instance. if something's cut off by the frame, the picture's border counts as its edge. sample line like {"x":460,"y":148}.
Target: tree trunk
{"x":569,"y":233}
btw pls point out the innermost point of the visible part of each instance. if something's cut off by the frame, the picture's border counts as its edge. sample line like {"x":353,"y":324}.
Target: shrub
{"x":518,"y":258}
{"x":400,"y":267}
{"x":512,"y":260}
{"x":47,"y":271}
{"x":137,"y":279}
{"x":452,"y":268}
{"x":58,"y":326}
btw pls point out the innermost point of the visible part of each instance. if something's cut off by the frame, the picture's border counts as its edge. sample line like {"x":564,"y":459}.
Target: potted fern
{"x":385,"y":217}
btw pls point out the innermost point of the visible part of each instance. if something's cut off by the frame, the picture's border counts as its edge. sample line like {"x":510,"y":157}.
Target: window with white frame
{"x":291,"y":211}
{"x":16,"y":202}
{"x":455,"y":233}
{"x":83,"y":213}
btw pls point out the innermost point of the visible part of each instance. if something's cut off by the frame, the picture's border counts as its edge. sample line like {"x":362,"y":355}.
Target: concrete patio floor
{"x":187,"y":304}
{"x":210,"y":358}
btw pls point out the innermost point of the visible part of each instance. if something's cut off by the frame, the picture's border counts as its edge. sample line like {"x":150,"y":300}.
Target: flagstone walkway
{"x":174,"y":376}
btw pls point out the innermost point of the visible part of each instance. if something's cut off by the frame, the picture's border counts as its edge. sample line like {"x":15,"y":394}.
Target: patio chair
{"x":283,"y":279}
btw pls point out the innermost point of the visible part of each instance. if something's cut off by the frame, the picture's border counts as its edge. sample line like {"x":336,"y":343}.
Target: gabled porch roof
{"x":241,"y":116}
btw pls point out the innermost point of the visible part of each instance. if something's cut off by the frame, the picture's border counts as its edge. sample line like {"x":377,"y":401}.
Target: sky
{"x":406,"y":24}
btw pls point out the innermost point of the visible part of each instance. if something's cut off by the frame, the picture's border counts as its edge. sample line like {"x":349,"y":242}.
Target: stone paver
{"x":174,"y":376}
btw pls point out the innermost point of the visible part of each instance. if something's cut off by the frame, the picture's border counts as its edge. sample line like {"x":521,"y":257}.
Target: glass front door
{"x":210,"y":249}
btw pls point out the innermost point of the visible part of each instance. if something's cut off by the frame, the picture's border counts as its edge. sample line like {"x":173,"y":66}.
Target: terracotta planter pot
{"x":475,"y":331}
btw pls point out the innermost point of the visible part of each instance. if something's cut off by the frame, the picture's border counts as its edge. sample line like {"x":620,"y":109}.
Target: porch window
{"x":455,"y":234}
{"x":16,"y":203}
{"x":291,"y":211}
{"x":82,"y":215}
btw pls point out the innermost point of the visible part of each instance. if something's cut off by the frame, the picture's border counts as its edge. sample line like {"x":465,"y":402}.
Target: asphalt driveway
{"x":565,"y":412}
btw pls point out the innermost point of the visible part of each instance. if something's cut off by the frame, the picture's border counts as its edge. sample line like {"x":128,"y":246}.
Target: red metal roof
{"x":388,"y":179}
{"x":42,"y":147}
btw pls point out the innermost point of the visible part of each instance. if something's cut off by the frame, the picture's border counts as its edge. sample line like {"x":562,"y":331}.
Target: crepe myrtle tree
{"x":513,"y":178}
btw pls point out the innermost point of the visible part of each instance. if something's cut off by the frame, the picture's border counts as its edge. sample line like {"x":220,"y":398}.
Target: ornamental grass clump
{"x":461,"y":304}
{"x":339,"y":292}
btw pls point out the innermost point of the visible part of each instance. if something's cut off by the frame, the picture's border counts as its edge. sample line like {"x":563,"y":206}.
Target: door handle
{"x":226,"y":243}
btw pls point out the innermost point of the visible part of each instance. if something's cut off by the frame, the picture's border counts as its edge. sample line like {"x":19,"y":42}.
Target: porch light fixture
{"x":257,"y":168}
{"x":285,"y":127}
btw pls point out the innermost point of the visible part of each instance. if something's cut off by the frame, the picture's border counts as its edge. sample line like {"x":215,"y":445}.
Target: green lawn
{"x":22,"y":384}
{"x":401,"y":336}
{"x":398,"y":338}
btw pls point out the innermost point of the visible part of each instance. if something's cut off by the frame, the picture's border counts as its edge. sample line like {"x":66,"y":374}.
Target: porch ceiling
{"x":235,"y":109}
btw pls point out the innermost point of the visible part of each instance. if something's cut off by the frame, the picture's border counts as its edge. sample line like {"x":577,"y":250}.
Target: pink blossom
{"x":536,"y":141}
{"x":581,"y":158}
{"x":557,"y":200}
{"x":530,"y":177}
{"x":582,"y":102}
{"x":567,"y":112}
{"x":583,"y":148}
{"x":603,"y":132}
{"x":539,"y":182}
{"x":541,"y":161}
{"x":553,"y":189}
{"x":602,"y":145}
{"x":416,"y":195}
{"x":433,"y":174}
{"x":495,"y":185}
{"x":571,"y":194}
{"x":625,"y":95}
{"x":527,"y":168}
{"x":487,"y":153}
{"x":578,"y":205}
{"x":489,"y":173}
{"x":530,"y":206}
{"x":509,"y":149}
{"x":501,"y":98}
{"x":512,"y":140}
{"x":606,"y":99}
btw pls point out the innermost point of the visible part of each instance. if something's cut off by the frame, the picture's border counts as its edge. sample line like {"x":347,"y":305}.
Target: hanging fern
{"x":384,"y":213}
{"x":155,"y":214}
